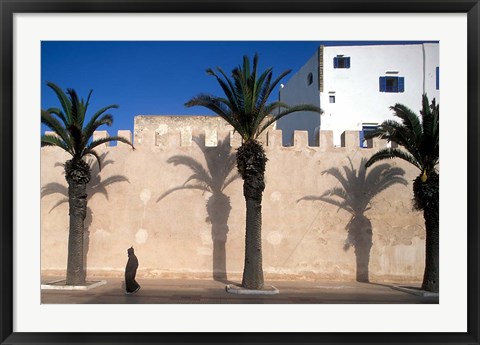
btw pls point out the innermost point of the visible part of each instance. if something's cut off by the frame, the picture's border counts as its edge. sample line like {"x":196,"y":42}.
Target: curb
{"x":90,"y":285}
{"x":267,"y":290}
{"x":415,"y":291}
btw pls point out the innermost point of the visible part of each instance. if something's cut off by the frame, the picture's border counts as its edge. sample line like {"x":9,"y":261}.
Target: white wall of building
{"x":358,"y":99}
{"x":298,"y":91}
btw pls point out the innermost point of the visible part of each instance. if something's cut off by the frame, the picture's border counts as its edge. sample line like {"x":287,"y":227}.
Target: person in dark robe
{"x":131,"y":285}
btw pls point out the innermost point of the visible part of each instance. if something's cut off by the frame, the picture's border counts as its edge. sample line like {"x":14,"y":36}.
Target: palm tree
{"x":355,"y":195}
{"x":213,"y":179}
{"x":246,"y":109}
{"x":73,"y":134}
{"x":96,"y":186}
{"x":418,"y":137}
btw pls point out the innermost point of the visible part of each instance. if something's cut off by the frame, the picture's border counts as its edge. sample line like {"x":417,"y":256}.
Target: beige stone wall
{"x":192,"y":232}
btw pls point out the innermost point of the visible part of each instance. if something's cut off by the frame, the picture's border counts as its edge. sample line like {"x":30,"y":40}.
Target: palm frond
{"x":393,"y":131}
{"x":101,"y":141}
{"x":72,"y":132}
{"x":217,"y":106}
{"x":59,"y":113}
{"x":50,"y":140}
{"x":91,"y":125}
{"x":419,"y":138}
{"x":289,"y":110}
{"x":390,"y":153}
{"x":279,"y":78}
{"x":75,"y":109}
{"x":271,"y":107}
{"x":92,"y":152}
{"x":247,"y":92}
{"x":263,"y":89}
{"x":88,"y":131}
{"x":409,"y":119}
{"x":430,"y":142}
{"x":226,"y":86}
{"x":64,"y":101}
{"x":55,"y":125}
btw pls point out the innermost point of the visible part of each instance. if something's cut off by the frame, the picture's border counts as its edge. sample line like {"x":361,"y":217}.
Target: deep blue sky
{"x":157,"y":78}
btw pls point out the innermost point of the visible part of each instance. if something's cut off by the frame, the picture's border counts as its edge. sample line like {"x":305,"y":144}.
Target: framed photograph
{"x":449,"y":29}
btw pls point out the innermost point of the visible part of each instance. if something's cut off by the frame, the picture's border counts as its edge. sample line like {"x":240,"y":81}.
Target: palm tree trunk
{"x":77,"y":174}
{"x":253,"y":270}
{"x":426,"y":198}
{"x":251,"y":163}
{"x":431,"y":275}
{"x":78,"y":205}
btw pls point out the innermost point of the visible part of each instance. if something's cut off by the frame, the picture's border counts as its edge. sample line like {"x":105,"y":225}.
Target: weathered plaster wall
{"x":192,"y":232}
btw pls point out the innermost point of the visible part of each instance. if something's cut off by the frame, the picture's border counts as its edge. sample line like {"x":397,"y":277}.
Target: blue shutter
{"x":347,"y":62}
{"x":401,"y":84}
{"x":437,"y":81}
{"x":361,"y":137}
{"x":383,"y":84}
{"x":335,"y":62}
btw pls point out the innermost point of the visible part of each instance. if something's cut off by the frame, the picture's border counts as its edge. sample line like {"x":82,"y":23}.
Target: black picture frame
{"x":9,"y":7}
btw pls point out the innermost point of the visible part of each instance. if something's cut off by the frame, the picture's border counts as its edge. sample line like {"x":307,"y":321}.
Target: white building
{"x":356,"y":85}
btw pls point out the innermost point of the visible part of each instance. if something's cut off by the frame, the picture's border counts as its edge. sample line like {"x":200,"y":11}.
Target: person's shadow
{"x":97,"y":185}
{"x":214,"y":178}
{"x":358,"y":188}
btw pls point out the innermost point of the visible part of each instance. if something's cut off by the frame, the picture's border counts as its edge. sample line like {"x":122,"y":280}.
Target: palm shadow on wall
{"x":95,"y":186}
{"x":357,"y":190}
{"x":213,"y":178}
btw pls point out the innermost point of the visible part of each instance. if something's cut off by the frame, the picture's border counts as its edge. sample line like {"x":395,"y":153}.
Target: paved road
{"x":158,"y":291}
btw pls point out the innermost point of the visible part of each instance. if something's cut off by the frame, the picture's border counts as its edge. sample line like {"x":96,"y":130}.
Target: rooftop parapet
{"x":165,"y":136}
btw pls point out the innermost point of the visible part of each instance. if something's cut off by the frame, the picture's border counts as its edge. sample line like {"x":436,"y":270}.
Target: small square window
{"x":341,"y":62}
{"x":331,"y":98}
{"x":392,"y":84}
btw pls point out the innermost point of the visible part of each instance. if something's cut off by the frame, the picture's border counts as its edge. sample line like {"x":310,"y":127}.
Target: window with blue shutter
{"x":341,"y":62}
{"x":366,"y":129}
{"x":383,"y":84}
{"x":392,"y":84}
{"x":401,"y":84}
{"x":362,"y":139}
{"x":437,"y":79}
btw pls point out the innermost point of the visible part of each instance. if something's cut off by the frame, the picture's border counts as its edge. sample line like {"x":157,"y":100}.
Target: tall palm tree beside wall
{"x":419,"y":140}
{"x":245,"y":107}
{"x":73,"y":134}
{"x":97,"y":185}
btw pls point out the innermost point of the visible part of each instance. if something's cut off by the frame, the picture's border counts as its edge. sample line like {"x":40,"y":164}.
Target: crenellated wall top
{"x":179,"y":131}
